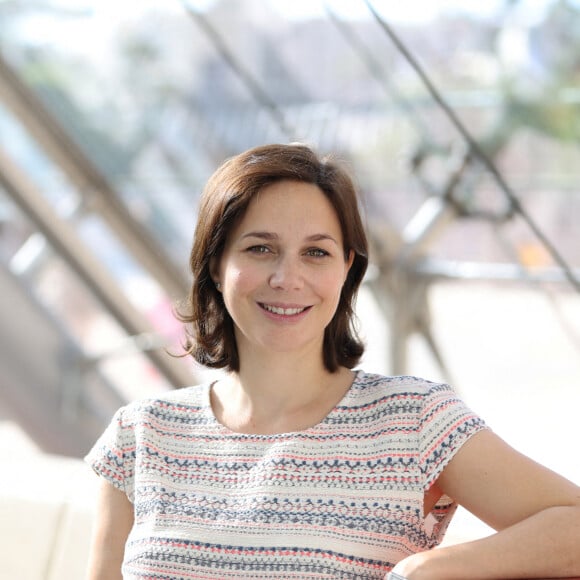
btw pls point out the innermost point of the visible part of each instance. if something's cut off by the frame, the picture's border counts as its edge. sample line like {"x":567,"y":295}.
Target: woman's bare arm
{"x":113,"y":522}
{"x":536,"y":511}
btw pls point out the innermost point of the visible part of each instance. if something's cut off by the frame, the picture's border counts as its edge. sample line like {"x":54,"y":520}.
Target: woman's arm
{"x":536,"y":511}
{"x":113,"y":522}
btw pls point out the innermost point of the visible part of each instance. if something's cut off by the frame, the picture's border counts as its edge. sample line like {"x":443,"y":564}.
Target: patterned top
{"x":341,"y":499}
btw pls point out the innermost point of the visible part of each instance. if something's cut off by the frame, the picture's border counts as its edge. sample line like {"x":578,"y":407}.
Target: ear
{"x":349,"y":263}
{"x":214,"y":269}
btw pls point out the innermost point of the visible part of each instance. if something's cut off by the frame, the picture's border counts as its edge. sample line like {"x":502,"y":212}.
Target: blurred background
{"x":460,"y":122}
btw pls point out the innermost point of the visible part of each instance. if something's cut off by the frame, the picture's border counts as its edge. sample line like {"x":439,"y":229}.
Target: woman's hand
{"x":415,"y":567}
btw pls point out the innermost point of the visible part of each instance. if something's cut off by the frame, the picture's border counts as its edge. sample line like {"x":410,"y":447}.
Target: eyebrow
{"x":272,"y":236}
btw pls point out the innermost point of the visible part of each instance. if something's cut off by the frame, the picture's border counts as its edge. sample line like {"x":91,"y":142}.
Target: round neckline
{"x":285,"y":434}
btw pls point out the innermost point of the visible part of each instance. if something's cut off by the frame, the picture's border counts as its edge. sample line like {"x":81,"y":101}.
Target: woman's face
{"x":282,"y":270}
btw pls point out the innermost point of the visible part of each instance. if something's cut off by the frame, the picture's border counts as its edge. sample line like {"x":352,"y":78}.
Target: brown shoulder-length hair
{"x":210,"y":335}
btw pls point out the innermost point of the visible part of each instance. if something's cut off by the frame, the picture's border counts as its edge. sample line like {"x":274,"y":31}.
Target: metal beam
{"x":436,"y":269}
{"x":64,"y":239}
{"x":42,"y":383}
{"x":97,"y":191}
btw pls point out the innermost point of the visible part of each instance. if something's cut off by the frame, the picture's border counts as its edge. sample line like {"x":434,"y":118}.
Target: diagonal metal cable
{"x":256,"y":90}
{"x":375,"y":68}
{"x":475,"y":148}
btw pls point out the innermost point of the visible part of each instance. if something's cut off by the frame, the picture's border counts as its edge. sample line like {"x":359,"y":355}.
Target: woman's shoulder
{"x":397,"y":385}
{"x":181,"y":400}
{"x":402,"y":393}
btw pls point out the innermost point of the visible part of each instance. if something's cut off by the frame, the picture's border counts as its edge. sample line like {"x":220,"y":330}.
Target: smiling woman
{"x":293,"y":465}
{"x":267,"y":178}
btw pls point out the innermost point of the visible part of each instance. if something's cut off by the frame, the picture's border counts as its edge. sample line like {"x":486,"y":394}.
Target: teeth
{"x":284,"y":311}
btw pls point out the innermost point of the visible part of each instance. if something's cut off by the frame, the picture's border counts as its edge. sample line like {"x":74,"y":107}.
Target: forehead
{"x":292,"y":203}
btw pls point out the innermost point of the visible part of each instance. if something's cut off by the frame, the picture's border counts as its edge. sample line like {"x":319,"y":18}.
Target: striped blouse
{"x":341,"y":499}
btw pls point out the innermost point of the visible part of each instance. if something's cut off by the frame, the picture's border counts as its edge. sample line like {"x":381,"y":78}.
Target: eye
{"x":317,"y":253}
{"x":258,"y":249}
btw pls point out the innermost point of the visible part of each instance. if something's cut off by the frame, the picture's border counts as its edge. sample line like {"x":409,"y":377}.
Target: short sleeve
{"x":446,"y":423}
{"x":113,"y":454}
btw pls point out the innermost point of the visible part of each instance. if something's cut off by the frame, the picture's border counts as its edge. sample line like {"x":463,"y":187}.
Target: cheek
{"x":239,"y":292}
{"x":331,"y":285}
{"x":238,"y":280}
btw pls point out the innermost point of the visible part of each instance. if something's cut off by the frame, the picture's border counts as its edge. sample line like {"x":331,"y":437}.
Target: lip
{"x":303,"y":310}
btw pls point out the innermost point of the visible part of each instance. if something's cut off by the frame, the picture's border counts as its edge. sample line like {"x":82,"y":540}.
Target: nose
{"x":287,"y":274}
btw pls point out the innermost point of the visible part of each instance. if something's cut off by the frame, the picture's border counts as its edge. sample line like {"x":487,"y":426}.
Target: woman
{"x":293,"y":465}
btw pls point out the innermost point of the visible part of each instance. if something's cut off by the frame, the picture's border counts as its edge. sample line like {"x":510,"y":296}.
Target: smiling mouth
{"x":284,"y":311}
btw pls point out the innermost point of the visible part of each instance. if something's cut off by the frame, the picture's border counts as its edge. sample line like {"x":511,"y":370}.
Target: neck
{"x":282,"y":383}
{"x":268,"y":376}
{"x":280,"y":394}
